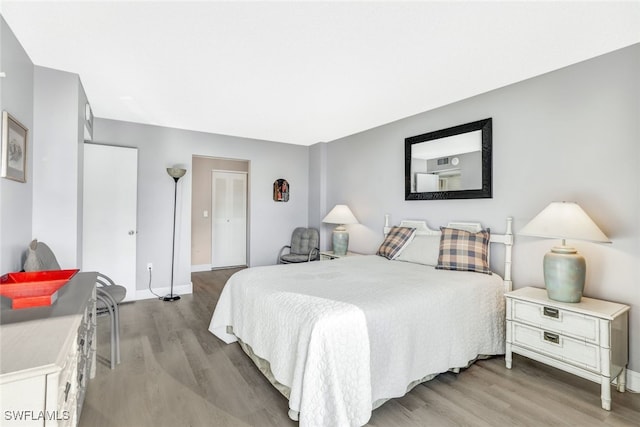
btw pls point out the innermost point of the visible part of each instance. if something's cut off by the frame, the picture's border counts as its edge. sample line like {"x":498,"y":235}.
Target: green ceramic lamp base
{"x":340,"y":240}
{"x":564,"y":274}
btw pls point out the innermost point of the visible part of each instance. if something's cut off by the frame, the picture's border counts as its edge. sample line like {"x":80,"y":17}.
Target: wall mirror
{"x":452,"y":163}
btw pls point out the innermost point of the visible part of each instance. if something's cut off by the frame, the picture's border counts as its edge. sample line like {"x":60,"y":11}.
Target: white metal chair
{"x":108,"y":297}
{"x":40,"y":257}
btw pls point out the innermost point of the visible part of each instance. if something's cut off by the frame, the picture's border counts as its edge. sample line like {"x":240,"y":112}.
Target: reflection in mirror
{"x":453,"y":163}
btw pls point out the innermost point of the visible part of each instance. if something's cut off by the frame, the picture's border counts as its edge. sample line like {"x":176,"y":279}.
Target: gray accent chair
{"x":40,"y":257}
{"x":304,"y":247}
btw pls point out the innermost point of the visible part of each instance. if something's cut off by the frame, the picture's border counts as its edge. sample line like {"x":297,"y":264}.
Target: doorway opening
{"x":219,"y":213}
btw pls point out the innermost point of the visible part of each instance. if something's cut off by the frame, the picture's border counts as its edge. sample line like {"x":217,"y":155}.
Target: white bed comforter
{"x":344,"y":334}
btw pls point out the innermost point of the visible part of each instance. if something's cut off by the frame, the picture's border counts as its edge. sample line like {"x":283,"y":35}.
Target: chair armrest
{"x":115,"y":292}
{"x":282,"y":250}
{"x":105,"y":297}
{"x":313,"y":254}
{"x":104,"y":280}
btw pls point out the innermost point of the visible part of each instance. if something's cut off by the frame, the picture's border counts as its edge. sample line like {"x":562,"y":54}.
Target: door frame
{"x":205,"y":264}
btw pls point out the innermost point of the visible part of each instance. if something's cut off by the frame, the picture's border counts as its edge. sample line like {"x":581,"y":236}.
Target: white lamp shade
{"x":564,"y":220}
{"x":340,"y":214}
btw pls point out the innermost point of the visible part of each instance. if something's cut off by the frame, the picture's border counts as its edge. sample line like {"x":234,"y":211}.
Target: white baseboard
{"x":633,"y":381}
{"x":162,"y":291}
{"x":201,"y":267}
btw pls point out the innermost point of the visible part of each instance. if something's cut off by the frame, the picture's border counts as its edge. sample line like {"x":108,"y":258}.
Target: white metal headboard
{"x":506,"y":239}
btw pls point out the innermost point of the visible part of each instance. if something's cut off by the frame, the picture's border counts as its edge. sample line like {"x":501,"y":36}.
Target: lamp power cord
{"x":151,"y":290}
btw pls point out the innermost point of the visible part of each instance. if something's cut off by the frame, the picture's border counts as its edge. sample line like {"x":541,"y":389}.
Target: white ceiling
{"x":303,"y":72}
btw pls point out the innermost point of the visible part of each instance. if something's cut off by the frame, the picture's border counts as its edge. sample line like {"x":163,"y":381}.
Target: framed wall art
{"x":280,"y":190}
{"x":14,"y":149}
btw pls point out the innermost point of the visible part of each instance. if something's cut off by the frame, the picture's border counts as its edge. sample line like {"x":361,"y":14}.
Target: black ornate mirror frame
{"x":481,"y":193}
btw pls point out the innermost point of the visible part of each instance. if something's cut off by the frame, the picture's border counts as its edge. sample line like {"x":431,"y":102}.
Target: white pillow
{"x":423,"y":249}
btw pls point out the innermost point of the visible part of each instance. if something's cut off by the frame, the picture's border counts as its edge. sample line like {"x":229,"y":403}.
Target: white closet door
{"x":109,"y":213}
{"x":229,"y":219}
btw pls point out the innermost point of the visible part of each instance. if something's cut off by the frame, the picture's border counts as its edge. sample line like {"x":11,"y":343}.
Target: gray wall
{"x":318,"y":188}
{"x":57,"y":163}
{"x":270,"y":223}
{"x":16,"y":97}
{"x":572,"y":134}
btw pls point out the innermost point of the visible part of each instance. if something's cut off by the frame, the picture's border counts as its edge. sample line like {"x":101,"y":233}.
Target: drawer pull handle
{"x":550,"y":312}
{"x":548,"y":336}
{"x":66,"y":391}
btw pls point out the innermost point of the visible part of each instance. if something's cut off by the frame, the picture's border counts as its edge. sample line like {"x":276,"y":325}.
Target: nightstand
{"x":329,"y":255}
{"x":588,"y":338}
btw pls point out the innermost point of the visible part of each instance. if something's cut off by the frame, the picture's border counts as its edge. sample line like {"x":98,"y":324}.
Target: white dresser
{"x":588,"y":339}
{"x":47,"y":355}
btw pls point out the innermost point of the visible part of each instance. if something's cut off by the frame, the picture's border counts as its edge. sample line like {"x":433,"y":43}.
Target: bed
{"x":339,"y":338}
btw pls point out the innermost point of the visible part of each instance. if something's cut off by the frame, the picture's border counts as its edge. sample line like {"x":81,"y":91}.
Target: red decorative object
{"x":34,"y":288}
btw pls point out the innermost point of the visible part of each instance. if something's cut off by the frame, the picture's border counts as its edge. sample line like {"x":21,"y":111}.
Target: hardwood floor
{"x":175,"y":373}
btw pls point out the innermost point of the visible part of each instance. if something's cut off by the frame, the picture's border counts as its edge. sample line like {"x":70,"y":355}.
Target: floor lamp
{"x":176,"y":174}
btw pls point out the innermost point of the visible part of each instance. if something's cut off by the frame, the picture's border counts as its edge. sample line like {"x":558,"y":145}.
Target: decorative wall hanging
{"x":14,"y":149}
{"x":281,"y":190}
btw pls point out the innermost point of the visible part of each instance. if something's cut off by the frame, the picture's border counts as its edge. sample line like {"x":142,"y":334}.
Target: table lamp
{"x":564,"y":267}
{"x":341,"y":215}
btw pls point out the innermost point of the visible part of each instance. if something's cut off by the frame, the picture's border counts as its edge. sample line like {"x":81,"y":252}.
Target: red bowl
{"x":34,"y":288}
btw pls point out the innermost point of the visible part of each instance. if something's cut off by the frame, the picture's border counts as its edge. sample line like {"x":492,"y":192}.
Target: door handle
{"x":131,"y":232}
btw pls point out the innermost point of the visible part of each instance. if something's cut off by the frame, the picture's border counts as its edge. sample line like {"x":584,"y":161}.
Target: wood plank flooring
{"x":175,"y":373}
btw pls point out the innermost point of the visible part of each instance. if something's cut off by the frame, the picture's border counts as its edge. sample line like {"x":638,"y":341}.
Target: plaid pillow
{"x":395,"y":241}
{"x":464,"y":251}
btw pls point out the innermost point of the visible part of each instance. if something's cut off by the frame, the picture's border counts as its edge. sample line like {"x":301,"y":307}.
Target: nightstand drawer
{"x":561,"y":347}
{"x":557,"y":320}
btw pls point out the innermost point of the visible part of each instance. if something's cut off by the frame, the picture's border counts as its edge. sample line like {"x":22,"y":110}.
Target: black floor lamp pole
{"x":176,"y":174}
